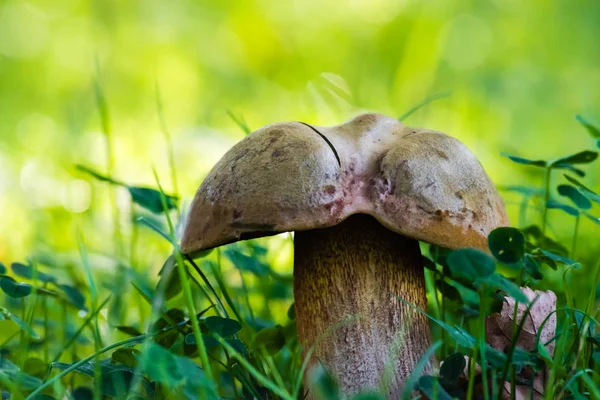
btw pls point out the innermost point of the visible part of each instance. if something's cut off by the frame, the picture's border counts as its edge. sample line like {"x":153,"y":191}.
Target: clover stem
{"x":575,"y":234}
{"x":482,"y":315}
{"x":547,"y":174}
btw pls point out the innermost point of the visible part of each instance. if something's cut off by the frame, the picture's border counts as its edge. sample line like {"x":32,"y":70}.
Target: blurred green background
{"x":516,"y":73}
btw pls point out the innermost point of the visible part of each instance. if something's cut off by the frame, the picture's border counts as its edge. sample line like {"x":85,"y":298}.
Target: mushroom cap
{"x":291,"y":177}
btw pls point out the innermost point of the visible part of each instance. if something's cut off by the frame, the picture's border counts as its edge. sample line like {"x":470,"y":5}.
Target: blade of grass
{"x":422,"y":104}
{"x":187,"y":289}
{"x":272,"y":367}
{"x":547,"y":178}
{"x":559,"y":348}
{"x":13,"y":389}
{"x":263,"y":380}
{"x":190,"y":260}
{"x":481,"y":320}
{"x":591,"y":386}
{"x":515,"y":337}
{"x":167,"y":135}
{"x":76,"y":365}
{"x":105,"y":122}
{"x":575,"y":235}
{"x":239,"y":122}
{"x":225,"y":292}
{"x":208,"y":284}
{"x":247,"y":296}
{"x":94,"y":304}
{"x":81,"y":328}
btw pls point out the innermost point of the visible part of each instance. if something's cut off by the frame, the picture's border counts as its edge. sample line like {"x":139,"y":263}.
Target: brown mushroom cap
{"x":291,"y":177}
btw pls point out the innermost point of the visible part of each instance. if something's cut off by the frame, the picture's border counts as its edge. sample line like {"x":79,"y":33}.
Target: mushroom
{"x":359,"y":196}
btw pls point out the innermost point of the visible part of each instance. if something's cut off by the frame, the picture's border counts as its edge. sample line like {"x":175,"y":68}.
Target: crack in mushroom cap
{"x":292,"y":177}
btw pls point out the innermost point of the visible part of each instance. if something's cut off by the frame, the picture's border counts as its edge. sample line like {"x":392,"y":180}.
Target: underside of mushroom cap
{"x":292,"y":176}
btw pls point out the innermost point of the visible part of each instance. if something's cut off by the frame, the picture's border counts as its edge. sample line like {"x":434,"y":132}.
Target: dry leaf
{"x":499,"y":327}
{"x":499,"y":331}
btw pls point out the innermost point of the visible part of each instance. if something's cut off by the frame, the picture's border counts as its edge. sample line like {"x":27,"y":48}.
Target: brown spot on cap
{"x":329,"y":189}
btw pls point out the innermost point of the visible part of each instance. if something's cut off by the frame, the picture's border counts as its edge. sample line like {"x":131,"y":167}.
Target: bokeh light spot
{"x":468,"y":41}
{"x":23,"y":30}
{"x":77,"y":196}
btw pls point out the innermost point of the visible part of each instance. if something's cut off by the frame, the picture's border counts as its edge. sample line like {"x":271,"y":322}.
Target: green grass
{"x":154,"y":343}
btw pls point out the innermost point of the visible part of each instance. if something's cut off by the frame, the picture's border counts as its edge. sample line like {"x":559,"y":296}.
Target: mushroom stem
{"x":354,"y":269}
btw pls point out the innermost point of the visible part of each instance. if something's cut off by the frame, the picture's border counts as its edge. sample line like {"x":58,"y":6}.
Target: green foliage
{"x":272,"y":339}
{"x":27,"y":271}
{"x":592,"y":129}
{"x":507,"y":245}
{"x":104,"y":324}
{"x":176,"y":373}
{"x":147,"y":198}
{"x":24,"y":326}
{"x":575,"y":196}
{"x":224,"y":327}
{"x":14,"y":373}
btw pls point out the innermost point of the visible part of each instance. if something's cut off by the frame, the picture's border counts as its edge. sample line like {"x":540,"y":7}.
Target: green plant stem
{"x":472,"y":369}
{"x":482,"y":314}
{"x":73,"y":339}
{"x":592,"y":297}
{"x":431,"y":287}
{"x":513,"y":372}
{"x":134,"y":237}
{"x":558,"y":355}
{"x":570,"y":304}
{"x":201,"y":288}
{"x":443,"y":315}
{"x":440,"y":307}
{"x":271,"y":364}
{"x":46,"y":330}
{"x":10,"y":385}
{"x":207,"y":283}
{"x":73,"y":359}
{"x":167,"y":135}
{"x":105,"y":121}
{"x":22,"y":342}
{"x":575,"y":235}
{"x":547,"y":176}
{"x":193,"y":264}
{"x":513,"y":343}
{"x":281,"y":392}
{"x":8,"y":339}
{"x":133,"y":253}
{"x":559,"y":347}
{"x":230,"y":371}
{"x":422,"y":104}
{"x":64,"y":321}
{"x":246,"y":296}
{"x":592,"y":387}
{"x":107,"y":131}
{"x":187,"y":288}
{"x":523,"y":210}
{"x":97,"y":369}
{"x":217,"y":274}
{"x":89,"y":358}
{"x":156,"y":307}
{"x":187,"y":291}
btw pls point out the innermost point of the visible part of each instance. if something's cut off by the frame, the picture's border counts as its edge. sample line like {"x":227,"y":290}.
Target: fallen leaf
{"x":499,"y":326}
{"x":499,"y":332}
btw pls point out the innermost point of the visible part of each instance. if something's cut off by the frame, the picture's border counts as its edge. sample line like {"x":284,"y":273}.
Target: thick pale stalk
{"x":351,"y":270}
